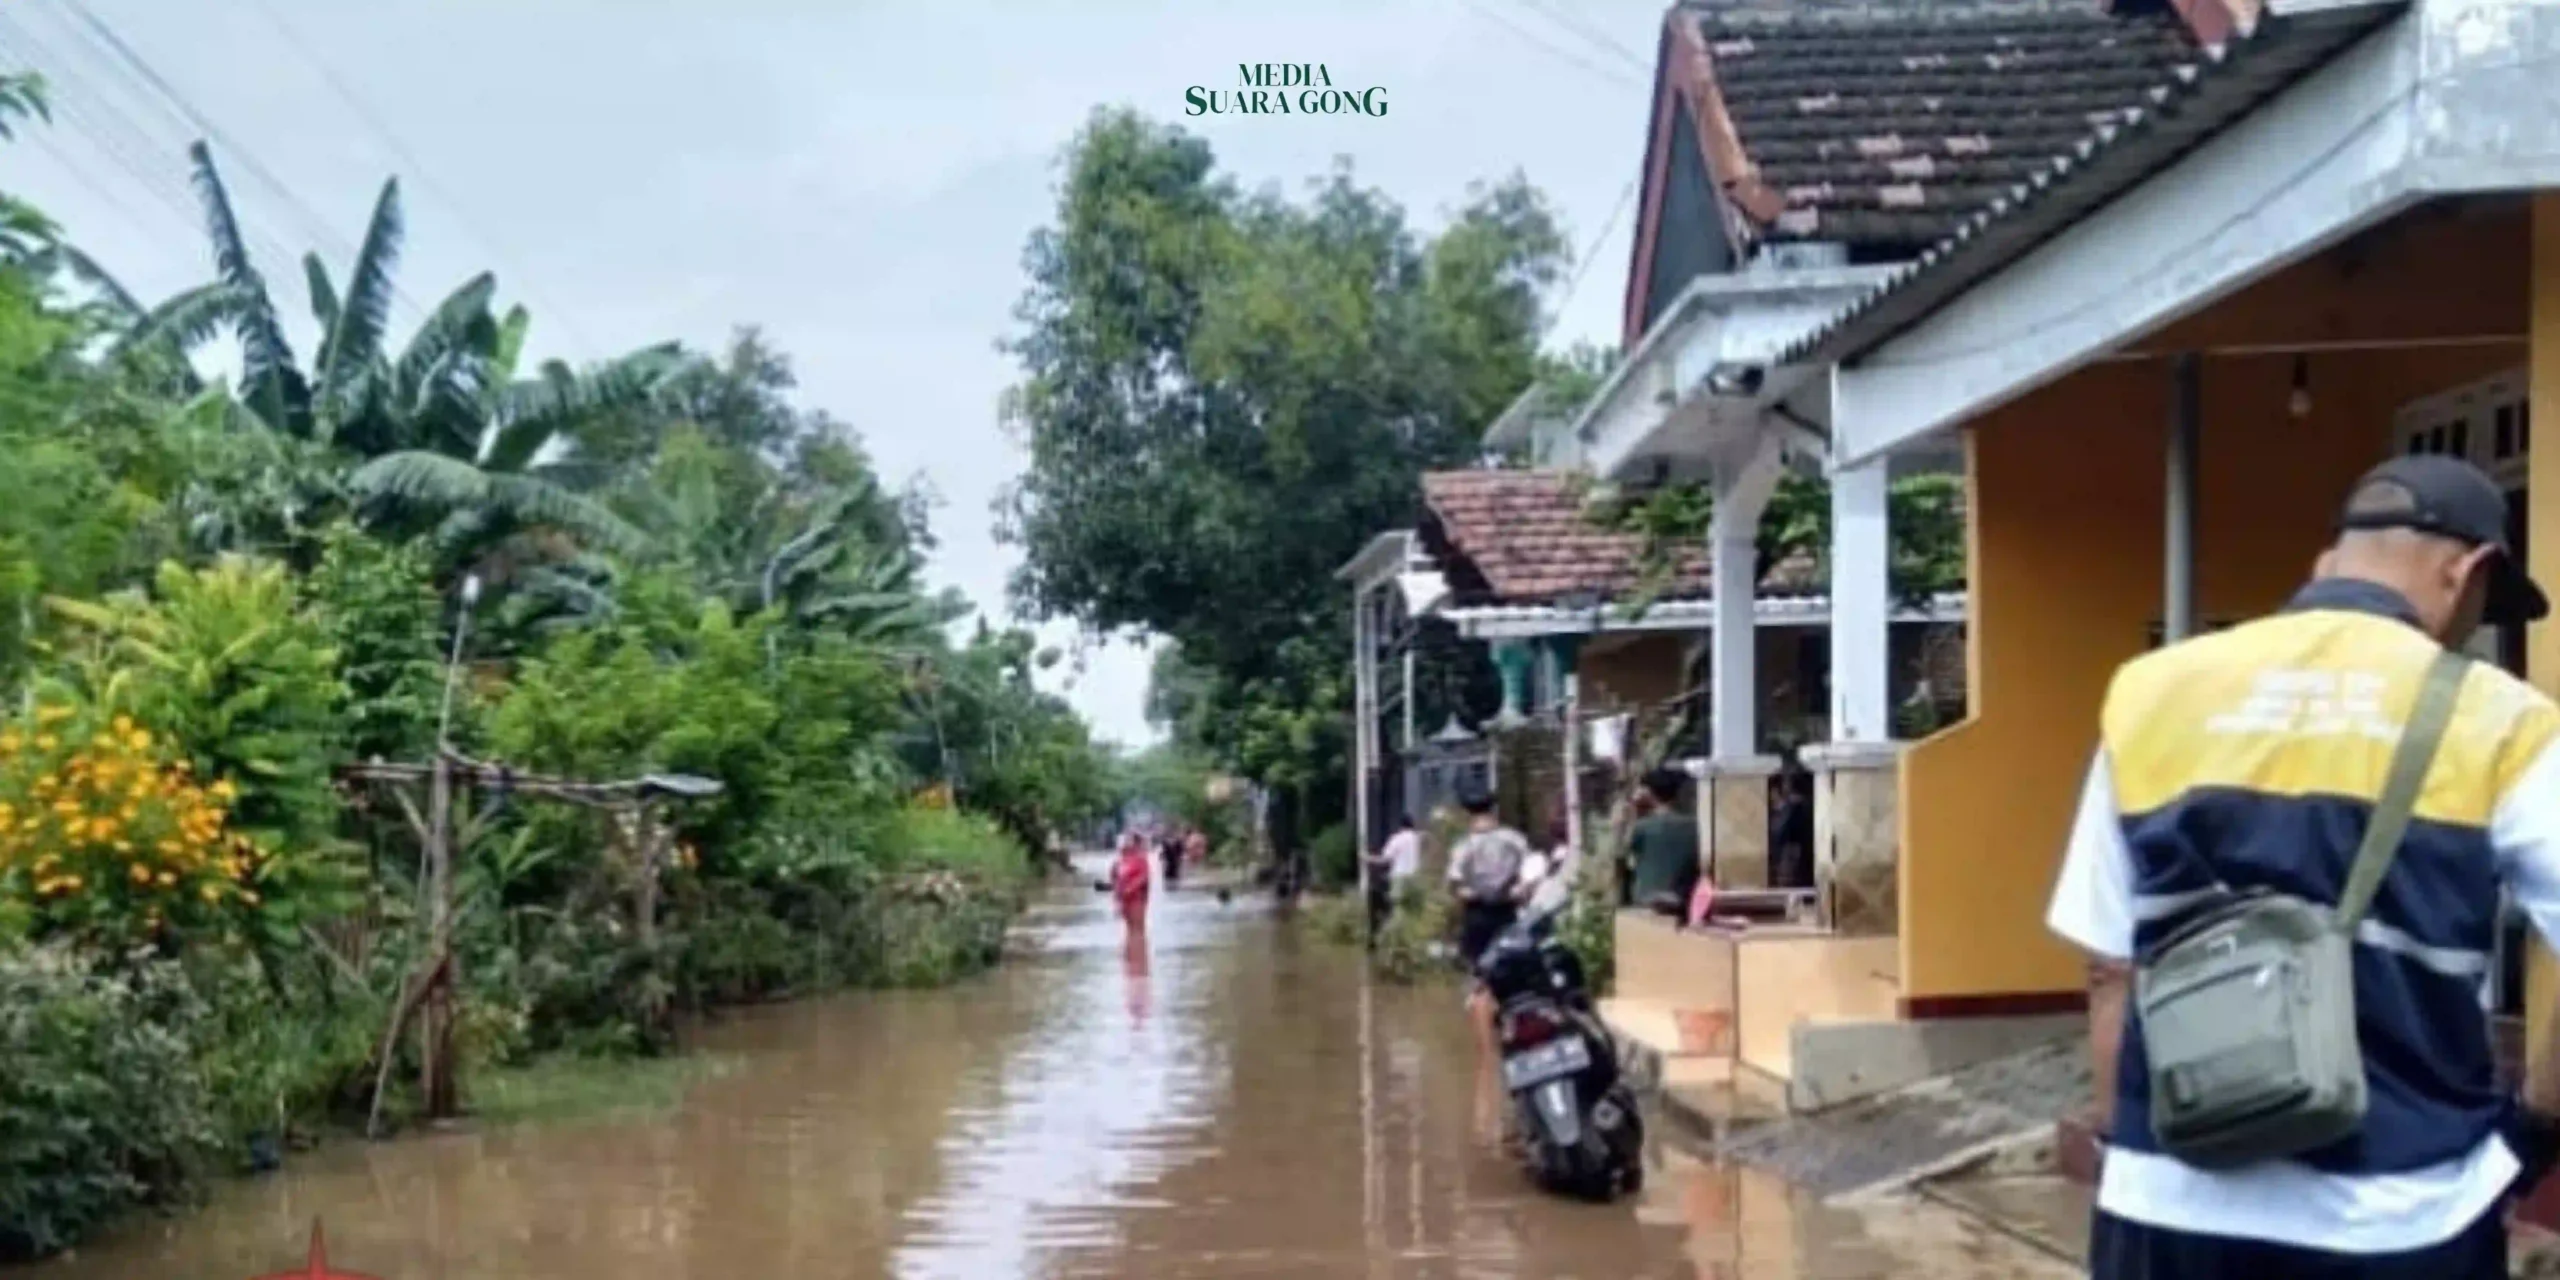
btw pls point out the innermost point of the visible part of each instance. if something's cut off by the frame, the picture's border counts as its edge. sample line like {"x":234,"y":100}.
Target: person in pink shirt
{"x":1129,"y":883}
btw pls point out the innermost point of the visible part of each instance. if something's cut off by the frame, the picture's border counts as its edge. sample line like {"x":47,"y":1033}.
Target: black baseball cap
{"x":2450,"y":498}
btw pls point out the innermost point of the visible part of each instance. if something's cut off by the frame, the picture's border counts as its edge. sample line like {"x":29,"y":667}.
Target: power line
{"x":1612,"y":76}
{"x":1590,"y":35}
{"x":1626,"y":197}
{"x":316,"y":225}
{"x":111,"y":134}
{"x":411,"y":165}
{"x":127,"y":144}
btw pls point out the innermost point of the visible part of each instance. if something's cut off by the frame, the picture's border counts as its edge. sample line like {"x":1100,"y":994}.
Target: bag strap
{"x":2416,"y":751}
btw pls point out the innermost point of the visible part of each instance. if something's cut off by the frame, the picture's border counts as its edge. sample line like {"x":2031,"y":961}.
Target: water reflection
{"x":1219,"y":1097}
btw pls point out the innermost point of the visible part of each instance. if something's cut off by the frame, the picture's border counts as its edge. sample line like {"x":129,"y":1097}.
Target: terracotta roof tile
{"x":1882,"y":123}
{"x":1525,"y":534}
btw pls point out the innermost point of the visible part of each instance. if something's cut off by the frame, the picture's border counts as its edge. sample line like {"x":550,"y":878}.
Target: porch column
{"x":1364,"y":730}
{"x":2186,"y":412}
{"x":1568,"y":656}
{"x":1861,"y":605}
{"x":1733,"y":794}
{"x":2542,"y":559}
{"x":1512,"y":658}
{"x":1856,"y":775}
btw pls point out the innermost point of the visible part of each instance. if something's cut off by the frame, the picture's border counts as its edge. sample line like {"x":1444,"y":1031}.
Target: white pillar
{"x":1572,"y":756}
{"x":1364,"y":710}
{"x":1861,"y":605}
{"x":1733,"y":679}
{"x":1742,"y":493}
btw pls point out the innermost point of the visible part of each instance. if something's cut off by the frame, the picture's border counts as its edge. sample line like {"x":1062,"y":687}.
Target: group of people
{"x":1495,"y":872}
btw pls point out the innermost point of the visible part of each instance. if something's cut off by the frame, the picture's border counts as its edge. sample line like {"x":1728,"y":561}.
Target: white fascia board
{"x":1384,"y":555}
{"x":1530,"y":622}
{"x":1656,"y":405}
{"x":2328,"y":157}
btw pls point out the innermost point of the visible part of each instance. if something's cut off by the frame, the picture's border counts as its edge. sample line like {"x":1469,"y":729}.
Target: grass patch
{"x":559,"y":1088}
{"x":1338,"y":918}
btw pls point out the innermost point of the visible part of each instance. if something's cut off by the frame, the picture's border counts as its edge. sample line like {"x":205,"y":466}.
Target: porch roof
{"x":2170,"y":116}
{"x":2443,"y":98}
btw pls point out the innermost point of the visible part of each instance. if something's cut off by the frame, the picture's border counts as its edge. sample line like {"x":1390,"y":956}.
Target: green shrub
{"x":282,"y":1053}
{"x":1339,"y":918}
{"x":102,"y":1107}
{"x":1334,"y":857}
{"x":1413,"y":945}
{"x":1590,"y":924}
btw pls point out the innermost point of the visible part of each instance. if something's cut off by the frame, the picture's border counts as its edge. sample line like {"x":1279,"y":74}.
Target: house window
{"x":2503,"y":446}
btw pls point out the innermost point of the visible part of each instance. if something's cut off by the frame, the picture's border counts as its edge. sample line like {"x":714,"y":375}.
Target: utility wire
{"x":316,"y":225}
{"x":1591,"y":35}
{"x":414,"y":167}
{"x":152,"y":163}
{"x":1626,"y":197}
{"x":111,"y":134}
{"x":1609,"y":74}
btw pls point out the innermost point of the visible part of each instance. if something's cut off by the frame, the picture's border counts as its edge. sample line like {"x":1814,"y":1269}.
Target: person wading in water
{"x":1129,"y":877}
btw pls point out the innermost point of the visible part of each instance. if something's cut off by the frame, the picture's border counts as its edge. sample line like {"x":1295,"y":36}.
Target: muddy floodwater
{"x":1234,"y":1100}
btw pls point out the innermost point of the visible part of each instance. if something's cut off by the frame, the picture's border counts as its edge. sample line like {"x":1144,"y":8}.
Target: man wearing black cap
{"x":2251,"y":759}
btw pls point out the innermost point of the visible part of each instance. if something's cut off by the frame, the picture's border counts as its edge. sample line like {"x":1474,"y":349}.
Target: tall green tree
{"x":1225,"y":394}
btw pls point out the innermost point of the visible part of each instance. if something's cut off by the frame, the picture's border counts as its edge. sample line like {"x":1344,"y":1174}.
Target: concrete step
{"x":1669,"y":1030}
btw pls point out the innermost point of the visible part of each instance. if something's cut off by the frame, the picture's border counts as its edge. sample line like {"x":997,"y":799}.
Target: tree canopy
{"x":1225,"y":393}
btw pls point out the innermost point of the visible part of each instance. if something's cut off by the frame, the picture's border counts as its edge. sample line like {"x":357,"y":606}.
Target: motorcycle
{"x":1580,"y":1133}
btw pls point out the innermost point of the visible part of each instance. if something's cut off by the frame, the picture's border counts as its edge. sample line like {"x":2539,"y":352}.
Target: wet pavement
{"x":1232,"y":1099}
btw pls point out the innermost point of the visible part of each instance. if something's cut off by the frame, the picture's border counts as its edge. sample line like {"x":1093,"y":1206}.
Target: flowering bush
{"x":104,"y":836}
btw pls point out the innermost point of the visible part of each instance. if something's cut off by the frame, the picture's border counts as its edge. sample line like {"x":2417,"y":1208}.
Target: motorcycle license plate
{"x":1531,"y":1067}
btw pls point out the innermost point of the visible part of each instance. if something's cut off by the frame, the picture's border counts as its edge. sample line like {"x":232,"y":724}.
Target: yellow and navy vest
{"x":2250,"y":759}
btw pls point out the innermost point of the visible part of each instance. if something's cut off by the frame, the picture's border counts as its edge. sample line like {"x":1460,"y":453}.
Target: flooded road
{"x":1232,"y":1100}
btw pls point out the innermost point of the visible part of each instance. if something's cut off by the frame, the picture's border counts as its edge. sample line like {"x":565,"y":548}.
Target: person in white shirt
{"x":2208,"y":781}
{"x":1547,"y":878}
{"x":1395,"y":862}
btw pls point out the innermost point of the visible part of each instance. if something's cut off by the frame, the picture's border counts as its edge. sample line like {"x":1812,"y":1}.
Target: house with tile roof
{"x":2168,"y":276}
{"x":1519,"y":560}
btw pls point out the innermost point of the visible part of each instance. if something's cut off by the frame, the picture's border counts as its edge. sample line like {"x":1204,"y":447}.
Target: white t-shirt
{"x":1551,"y":873}
{"x":2283,"y":1201}
{"x":1403,"y":853}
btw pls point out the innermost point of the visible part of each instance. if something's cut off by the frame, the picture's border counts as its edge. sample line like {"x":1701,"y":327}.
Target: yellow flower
{"x":54,"y":714}
{"x":71,"y":883}
{"x":166,"y":878}
{"x":74,"y":828}
{"x":139,"y":739}
{"x":249,"y":896}
{"x":222,"y":789}
{"x":46,"y":742}
{"x":11,"y":742}
{"x":210,"y":892}
{"x":140,"y":873}
{"x":103,"y":827}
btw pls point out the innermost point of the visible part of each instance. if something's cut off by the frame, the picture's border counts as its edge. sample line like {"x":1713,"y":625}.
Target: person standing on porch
{"x":2252,"y":759}
{"x":1663,"y":846}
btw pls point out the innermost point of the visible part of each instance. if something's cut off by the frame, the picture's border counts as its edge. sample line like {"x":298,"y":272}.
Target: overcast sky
{"x":857,"y":178}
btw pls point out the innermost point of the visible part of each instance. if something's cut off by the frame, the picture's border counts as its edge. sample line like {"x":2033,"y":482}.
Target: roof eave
{"x":2254,"y":66}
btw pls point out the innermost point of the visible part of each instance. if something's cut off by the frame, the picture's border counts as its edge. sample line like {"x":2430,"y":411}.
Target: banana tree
{"x":440,"y":438}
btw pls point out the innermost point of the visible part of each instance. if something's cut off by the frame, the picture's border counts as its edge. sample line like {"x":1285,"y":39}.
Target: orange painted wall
{"x":2066,"y":513}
